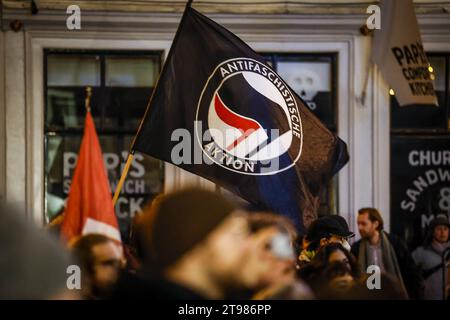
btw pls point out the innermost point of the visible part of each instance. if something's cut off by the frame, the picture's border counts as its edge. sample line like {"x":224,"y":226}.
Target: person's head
{"x":335,"y":252}
{"x":331,"y":280}
{"x":369,"y":222}
{"x":338,"y":276}
{"x":101,"y":260}
{"x":33,"y":263}
{"x":326,"y":230}
{"x":440,"y":229}
{"x":390,"y":289}
{"x":199,"y":239}
{"x":275,"y":235}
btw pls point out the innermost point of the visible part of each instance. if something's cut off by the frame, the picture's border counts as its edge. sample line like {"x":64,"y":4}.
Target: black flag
{"x":219,"y":111}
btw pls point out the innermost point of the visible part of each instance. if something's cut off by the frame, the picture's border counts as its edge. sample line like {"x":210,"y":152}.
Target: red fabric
{"x":90,"y":194}
{"x":245,"y":125}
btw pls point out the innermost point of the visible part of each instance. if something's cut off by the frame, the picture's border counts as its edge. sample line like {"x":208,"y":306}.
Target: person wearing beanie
{"x":429,"y":257}
{"x":194,"y":245}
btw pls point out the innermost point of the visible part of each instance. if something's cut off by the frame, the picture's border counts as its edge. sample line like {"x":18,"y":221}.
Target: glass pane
{"x":420,"y":187}
{"x":423,"y":116}
{"x":62,"y":108}
{"x":66,"y":108}
{"x":312,"y":81}
{"x":126,"y":106}
{"x":131,"y":71}
{"x":71,"y":70}
{"x":112,"y":108}
{"x":311,"y":77}
{"x":145,"y":178}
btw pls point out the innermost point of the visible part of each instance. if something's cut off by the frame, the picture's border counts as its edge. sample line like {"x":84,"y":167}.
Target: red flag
{"x":89,"y":206}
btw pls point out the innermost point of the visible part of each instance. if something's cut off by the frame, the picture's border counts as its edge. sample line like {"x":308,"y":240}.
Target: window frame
{"x":332,"y":204}
{"x":78,"y":132}
{"x":103,"y":54}
{"x":312,"y":57}
{"x":428,"y":131}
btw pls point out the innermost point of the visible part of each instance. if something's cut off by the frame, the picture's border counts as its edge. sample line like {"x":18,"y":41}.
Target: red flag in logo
{"x":89,"y":206}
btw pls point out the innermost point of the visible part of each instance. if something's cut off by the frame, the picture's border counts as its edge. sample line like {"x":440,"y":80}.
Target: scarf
{"x":439,"y":247}
{"x":390,"y":261}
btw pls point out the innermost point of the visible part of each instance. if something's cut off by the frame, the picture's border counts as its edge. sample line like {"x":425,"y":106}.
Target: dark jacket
{"x":411,"y":274}
{"x":135,"y":287}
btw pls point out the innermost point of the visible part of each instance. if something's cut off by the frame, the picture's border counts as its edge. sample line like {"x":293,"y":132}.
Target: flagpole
{"x":87,"y":100}
{"x":131,"y":152}
{"x":123,"y":176}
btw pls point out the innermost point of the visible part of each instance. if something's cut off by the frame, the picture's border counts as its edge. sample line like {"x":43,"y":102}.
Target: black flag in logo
{"x":255,"y":136}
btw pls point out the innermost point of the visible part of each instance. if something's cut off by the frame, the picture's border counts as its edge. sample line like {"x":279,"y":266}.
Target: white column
{"x":15,"y":116}
{"x":361,"y":146}
{"x":382,"y":147}
{"x":2,"y":118}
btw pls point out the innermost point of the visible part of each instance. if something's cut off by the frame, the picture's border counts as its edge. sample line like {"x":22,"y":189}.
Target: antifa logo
{"x":251,"y":117}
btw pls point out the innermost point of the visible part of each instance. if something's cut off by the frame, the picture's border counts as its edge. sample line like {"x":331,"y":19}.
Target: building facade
{"x":316,"y":46}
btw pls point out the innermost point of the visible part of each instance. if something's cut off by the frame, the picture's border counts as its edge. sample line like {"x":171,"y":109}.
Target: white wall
{"x":2,"y":118}
{"x":15,"y":118}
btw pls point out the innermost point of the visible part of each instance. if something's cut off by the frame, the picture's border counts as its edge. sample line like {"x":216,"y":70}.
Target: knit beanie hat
{"x":179,"y":222}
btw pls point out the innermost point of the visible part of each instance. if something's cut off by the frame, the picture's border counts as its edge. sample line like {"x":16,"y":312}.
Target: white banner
{"x":398,"y":51}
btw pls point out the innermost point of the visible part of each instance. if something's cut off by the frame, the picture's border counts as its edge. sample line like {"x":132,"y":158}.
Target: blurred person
{"x":133,"y":248}
{"x":389,"y":290}
{"x":335,"y":252}
{"x":339,"y":276}
{"x":300,"y":244}
{"x":331,"y":280}
{"x":195,"y":245}
{"x":323,"y":231}
{"x":317,"y":272}
{"x":101,"y":261}
{"x":276,"y":237}
{"x":428,"y":257}
{"x":447,"y":290}
{"x":390,"y":254}
{"x":33,"y":264}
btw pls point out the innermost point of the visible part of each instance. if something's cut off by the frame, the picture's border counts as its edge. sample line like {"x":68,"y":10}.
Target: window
{"x":121,"y":84}
{"x":313,"y":77}
{"x":418,"y":117}
{"x":420,"y":159}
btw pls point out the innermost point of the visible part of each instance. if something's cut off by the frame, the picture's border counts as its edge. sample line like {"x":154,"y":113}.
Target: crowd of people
{"x":196,"y":244}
